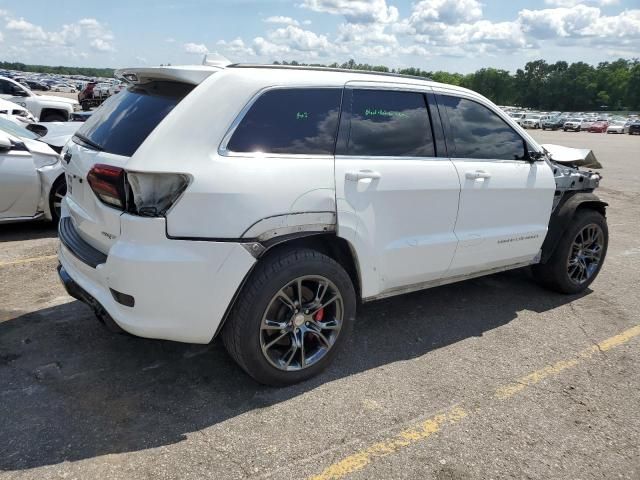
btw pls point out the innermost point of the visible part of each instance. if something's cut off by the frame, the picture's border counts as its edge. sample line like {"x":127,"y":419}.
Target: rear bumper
{"x":181,"y":288}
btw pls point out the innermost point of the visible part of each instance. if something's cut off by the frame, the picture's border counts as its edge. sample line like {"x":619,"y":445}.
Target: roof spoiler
{"x":193,"y":74}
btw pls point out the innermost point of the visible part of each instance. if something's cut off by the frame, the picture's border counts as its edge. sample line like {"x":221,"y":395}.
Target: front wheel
{"x":579,"y":255}
{"x":293,"y":315}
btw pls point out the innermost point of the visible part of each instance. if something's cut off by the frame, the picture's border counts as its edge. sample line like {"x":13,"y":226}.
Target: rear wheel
{"x":292,"y":317}
{"x":579,"y":255}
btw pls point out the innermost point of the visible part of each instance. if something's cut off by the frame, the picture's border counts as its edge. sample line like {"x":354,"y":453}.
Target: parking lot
{"x":490,"y":378}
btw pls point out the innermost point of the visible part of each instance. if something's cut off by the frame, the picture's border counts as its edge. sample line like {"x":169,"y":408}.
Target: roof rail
{"x":326,"y":69}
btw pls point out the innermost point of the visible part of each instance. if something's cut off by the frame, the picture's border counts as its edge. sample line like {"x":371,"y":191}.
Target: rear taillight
{"x":153,"y":194}
{"x":144,"y":194}
{"x":109,"y":185}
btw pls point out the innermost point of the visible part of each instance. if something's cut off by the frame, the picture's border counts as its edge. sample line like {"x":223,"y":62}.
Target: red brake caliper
{"x":319,"y":315}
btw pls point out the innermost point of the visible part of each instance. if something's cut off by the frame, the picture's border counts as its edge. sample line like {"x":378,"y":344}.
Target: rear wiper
{"x":89,"y":143}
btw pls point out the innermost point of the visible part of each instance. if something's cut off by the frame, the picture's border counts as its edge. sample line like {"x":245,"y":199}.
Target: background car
{"x":574,"y":124}
{"x":618,"y":127}
{"x":634,"y":127}
{"x":586,"y":123}
{"x":61,"y":87}
{"x":532,"y":121}
{"x":598,"y":127}
{"x":35,"y":85}
{"x":32,"y":181}
{"x":554,"y":123}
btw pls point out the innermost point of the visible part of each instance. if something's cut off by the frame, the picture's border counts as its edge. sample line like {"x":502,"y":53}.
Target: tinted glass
{"x":388,"y":123}
{"x":6,"y":88}
{"x":290,"y":121}
{"x":479,"y":133}
{"x":126,"y":119}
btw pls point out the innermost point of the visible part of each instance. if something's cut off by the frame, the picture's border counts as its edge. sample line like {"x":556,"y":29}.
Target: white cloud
{"x":265,"y":48}
{"x":197,"y":48}
{"x":279,"y":19}
{"x":301,"y":40}
{"x":573,"y":3}
{"x":100,"y":45}
{"x":356,"y":11}
{"x":86,"y":31}
{"x":580,"y":22}
{"x":363,"y":34}
{"x":445,"y":11}
{"x":236,"y":46}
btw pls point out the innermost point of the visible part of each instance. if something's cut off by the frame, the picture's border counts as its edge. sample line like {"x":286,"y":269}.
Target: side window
{"x":389,"y":123}
{"x":6,"y":88}
{"x":290,"y":121}
{"x":480,"y":133}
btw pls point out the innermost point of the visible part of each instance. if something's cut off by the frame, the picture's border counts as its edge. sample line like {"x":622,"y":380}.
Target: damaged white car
{"x":32,"y":182}
{"x":304,"y":191}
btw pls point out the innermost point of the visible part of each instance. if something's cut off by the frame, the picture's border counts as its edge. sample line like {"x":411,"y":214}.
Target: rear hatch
{"x":110,"y":137}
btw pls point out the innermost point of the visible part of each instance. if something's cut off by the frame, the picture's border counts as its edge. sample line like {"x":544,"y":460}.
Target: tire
{"x":564,"y":129}
{"x":53,"y":117}
{"x":58,"y":191}
{"x":555,"y":274}
{"x":246,"y":334}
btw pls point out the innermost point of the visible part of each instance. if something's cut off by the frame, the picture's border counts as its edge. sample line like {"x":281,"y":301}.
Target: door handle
{"x":477,"y":174}
{"x":362,"y":175}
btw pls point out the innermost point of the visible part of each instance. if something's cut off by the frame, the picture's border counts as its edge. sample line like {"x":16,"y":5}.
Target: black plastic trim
{"x":77,"y":246}
{"x":562,"y":215}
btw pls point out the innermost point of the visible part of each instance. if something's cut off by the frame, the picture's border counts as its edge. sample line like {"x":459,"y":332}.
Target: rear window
{"x":126,"y":119}
{"x":290,"y":121}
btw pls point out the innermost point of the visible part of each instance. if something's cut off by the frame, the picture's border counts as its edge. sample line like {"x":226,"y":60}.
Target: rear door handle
{"x":477,"y":174}
{"x":362,"y":175}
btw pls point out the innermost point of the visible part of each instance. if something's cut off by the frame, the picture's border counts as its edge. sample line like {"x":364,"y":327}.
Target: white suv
{"x":264,"y":202}
{"x":47,"y":108}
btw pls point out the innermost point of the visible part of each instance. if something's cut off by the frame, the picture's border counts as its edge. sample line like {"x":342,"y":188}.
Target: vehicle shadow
{"x":71,"y":390}
{"x":12,"y":232}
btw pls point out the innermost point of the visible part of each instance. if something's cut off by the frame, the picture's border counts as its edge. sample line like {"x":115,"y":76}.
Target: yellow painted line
{"x":558,"y":367}
{"x":405,"y":438}
{"x":427,"y":428}
{"x":28,"y":260}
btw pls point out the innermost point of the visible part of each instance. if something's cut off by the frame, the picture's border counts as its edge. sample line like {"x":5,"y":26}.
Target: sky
{"x":451,"y":35}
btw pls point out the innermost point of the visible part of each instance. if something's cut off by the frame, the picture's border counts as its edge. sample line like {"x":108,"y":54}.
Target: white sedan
{"x":618,"y":127}
{"x":61,"y":87}
{"x":32,"y":181}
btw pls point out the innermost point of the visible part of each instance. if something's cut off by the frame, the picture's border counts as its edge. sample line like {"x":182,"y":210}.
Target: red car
{"x":599,"y":127}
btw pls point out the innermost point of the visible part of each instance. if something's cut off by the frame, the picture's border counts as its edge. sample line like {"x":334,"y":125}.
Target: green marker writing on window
{"x":302,"y":115}
{"x":380,"y":112}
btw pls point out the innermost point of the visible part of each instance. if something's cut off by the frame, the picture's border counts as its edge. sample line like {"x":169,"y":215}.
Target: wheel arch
{"x":564,"y":212}
{"x":327,"y":243}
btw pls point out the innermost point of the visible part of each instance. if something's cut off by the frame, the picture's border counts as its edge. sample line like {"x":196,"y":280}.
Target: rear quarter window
{"x":290,"y":121}
{"x":127,"y":118}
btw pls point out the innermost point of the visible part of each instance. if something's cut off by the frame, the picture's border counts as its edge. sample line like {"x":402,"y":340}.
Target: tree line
{"x":540,"y":85}
{"x":59,"y":70}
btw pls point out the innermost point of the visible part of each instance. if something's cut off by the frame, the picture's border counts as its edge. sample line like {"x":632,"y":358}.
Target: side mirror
{"x":5,"y":143}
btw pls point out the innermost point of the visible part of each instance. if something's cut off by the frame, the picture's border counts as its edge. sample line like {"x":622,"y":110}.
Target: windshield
{"x":16,"y":130}
{"x":125,"y":120}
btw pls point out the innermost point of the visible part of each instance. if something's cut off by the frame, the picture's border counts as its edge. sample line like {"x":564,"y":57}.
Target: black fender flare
{"x":560,"y":218}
